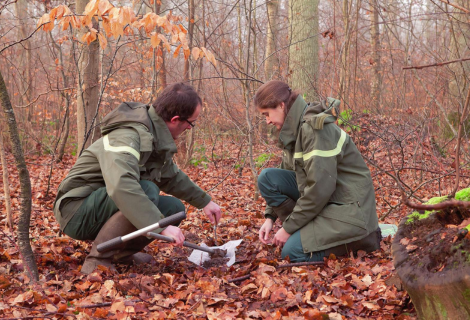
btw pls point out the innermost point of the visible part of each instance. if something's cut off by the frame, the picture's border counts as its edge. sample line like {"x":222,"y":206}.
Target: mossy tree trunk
{"x":435,"y":295}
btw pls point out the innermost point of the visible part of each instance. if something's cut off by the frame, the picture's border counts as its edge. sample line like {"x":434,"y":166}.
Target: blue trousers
{"x":276,"y":186}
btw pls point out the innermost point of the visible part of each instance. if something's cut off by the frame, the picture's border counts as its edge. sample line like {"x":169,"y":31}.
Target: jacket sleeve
{"x":119,"y":162}
{"x":269,"y":213}
{"x":175,"y":182}
{"x":321,"y":173}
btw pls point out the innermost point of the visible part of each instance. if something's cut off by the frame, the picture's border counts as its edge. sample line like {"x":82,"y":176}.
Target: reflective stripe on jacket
{"x":337,"y":198}
{"x":136,"y":145}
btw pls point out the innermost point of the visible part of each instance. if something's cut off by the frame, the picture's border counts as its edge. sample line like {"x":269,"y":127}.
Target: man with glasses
{"x":113,"y":188}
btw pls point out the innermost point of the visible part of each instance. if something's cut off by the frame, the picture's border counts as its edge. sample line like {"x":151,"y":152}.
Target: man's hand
{"x":212,"y":211}
{"x":265,"y":230}
{"x":281,"y":237}
{"x":175,"y":233}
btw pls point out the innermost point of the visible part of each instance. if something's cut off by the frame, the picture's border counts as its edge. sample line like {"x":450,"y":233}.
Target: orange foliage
{"x":118,"y":21}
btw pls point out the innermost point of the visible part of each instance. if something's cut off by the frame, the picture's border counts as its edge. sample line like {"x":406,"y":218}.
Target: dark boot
{"x":284,"y":209}
{"x":116,"y":226}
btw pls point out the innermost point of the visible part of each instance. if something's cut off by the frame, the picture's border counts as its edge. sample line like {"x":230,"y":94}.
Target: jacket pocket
{"x":339,"y":223}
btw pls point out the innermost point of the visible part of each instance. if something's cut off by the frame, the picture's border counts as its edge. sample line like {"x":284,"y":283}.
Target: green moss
{"x":466,"y":294}
{"x":436,"y":200}
{"x":415,"y":215}
{"x":441,"y":308}
{"x":463,"y":195}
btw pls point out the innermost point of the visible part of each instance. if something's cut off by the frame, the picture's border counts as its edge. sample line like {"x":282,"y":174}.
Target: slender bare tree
{"x":375,"y":55}
{"x":88,"y":87}
{"x":24,"y":244}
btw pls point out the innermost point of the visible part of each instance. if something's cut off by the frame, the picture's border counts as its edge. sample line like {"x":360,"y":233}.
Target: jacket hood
{"x":124,"y":114}
{"x":317,"y":114}
{"x":322,"y":112}
{"x":134,"y":114}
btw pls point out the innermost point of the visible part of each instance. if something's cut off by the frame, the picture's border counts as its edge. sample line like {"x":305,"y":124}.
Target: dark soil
{"x":215,"y":262}
{"x":191,"y":237}
{"x":218,"y":253}
{"x":438,"y":247}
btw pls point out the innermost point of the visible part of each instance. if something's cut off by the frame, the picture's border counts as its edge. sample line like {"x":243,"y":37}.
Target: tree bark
{"x":6,"y":184}
{"x":160,"y":68}
{"x":25,"y":186}
{"x":66,"y":96}
{"x":88,"y":88}
{"x":458,"y":47}
{"x":303,"y":49}
{"x":375,"y":56}
{"x":21,"y":7}
{"x":190,"y":136}
{"x":246,"y":85}
{"x":436,"y":296}
{"x":271,"y":65}
{"x":344,"y":72}
{"x":187,"y":66}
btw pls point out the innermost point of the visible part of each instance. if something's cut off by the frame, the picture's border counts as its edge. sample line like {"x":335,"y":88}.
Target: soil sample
{"x":215,"y":262}
{"x":218,"y":253}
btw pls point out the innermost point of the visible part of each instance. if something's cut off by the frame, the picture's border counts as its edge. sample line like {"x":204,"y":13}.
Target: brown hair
{"x":272,"y":93}
{"x":178,"y":99}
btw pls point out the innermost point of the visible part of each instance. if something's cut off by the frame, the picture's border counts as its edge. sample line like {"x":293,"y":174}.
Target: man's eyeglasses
{"x":192,"y":124}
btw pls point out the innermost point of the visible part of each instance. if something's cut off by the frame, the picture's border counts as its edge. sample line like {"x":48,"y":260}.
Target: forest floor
{"x":361,"y":286}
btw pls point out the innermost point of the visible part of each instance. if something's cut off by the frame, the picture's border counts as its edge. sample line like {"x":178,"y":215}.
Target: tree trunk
{"x":271,"y":65}
{"x":246,"y":85}
{"x":303,"y":49}
{"x":344,"y":72}
{"x":459,"y":31}
{"x":21,"y":7}
{"x":66,"y":96}
{"x":65,"y":133}
{"x":25,"y":185}
{"x":187,"y":65}
{"x":159,"y":66}
{"x":435,"y":296}
{"x":6,"y":184}
{"x":189,"y":141}
{"x":88,"y":88}
{"x":375,"y":56}
{"x":25,"y":83}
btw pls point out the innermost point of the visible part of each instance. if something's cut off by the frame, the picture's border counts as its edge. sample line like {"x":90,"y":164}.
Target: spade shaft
{"x":185,"y":243}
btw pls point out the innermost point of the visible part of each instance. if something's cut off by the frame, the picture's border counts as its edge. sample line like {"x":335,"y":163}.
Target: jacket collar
{"x":290,"y":129}
{"x":162,"y":137}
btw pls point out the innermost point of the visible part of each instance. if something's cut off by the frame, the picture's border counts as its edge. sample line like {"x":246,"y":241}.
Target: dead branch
{"x":439,"y":64}
{"x":455,"y":6}
{"x":298,"y":264}
{"x":239,"y":278}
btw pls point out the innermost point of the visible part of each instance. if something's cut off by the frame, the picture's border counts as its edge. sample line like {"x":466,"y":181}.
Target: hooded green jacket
{"x":337,"y":198}
{"x":135,"y":145}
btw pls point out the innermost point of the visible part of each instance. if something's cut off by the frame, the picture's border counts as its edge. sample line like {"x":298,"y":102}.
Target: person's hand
{"x":265,"y":230}
{"x":281,"y":237}
{"x":175,"y":233}
{"x":212,"y":211}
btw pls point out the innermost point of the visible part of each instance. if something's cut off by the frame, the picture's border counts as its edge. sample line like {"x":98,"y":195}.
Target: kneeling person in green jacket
{"x":323,"y":192}
{"x":113,"y":188}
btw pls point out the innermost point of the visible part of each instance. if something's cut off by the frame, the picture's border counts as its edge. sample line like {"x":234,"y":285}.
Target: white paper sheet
{"x":199,"y":257}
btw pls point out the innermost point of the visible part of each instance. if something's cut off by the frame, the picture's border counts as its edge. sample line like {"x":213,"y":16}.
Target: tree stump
{"x":435,"y":295}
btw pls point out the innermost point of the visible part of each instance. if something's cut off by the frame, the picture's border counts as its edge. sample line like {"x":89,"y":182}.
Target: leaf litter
{"x":354,"y":287}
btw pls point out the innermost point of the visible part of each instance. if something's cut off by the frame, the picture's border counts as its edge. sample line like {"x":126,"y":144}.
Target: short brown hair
{"x":178,"y":99}
{"x":272,"y":93}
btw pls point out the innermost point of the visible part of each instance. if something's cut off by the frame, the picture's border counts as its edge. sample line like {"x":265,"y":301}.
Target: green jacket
{"x":337,"y":198}
{"x":135,"y":145}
